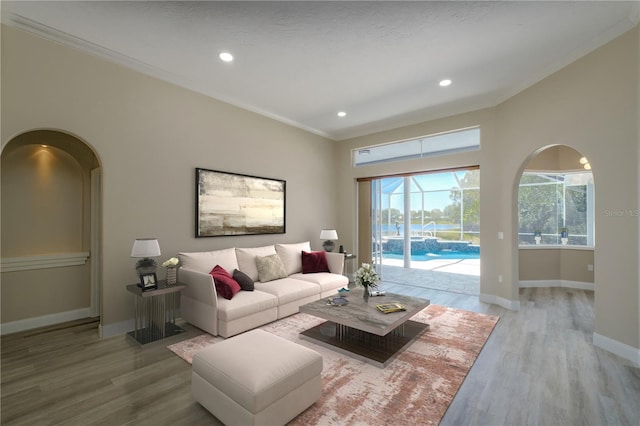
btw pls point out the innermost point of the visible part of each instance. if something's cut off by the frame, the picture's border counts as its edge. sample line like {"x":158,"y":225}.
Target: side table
{"x":155,"y":312}
{"x":349,"y":268}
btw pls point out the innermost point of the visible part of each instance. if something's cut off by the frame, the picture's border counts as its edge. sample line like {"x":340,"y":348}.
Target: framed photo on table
{"x":148,"y":282}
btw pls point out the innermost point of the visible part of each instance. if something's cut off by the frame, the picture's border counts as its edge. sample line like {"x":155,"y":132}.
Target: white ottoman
{"x":256,"y":378}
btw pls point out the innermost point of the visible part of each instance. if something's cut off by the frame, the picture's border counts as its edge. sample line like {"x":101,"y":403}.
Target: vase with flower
{"x":367,"y":277}
{"x":172,"y":270}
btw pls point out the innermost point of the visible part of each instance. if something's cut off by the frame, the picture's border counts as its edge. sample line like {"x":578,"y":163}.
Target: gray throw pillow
{"x":270,"y":268}
{"x":245,"y":281}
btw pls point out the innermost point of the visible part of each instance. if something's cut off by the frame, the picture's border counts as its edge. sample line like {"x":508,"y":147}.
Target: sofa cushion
{"x":226,"y":286}
{"x":246,"y":283}
{"x":290,"y":255}
{"x":244,"y":304}
{"x":270,"y":268}
{"x":314,"y":262}
{"x":204,"y":261}
{"x":325,"y":280}
{"x":289,"y":290}
{"x":247,"y":259}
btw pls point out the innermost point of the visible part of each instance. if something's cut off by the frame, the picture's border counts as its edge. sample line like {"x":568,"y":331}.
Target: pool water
{"x":433,"y":256}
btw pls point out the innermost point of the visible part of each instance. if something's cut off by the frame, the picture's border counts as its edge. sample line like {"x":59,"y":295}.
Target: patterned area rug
{"x":415,"y":388}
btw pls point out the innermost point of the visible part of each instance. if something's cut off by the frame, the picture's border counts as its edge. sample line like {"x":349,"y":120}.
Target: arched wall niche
{"x":553,"y":265}
{"x":50,"y":230}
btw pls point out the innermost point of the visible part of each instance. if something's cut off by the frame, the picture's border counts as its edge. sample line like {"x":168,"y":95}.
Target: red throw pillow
{"x":226,"y":286}
{"x":313,"y":262}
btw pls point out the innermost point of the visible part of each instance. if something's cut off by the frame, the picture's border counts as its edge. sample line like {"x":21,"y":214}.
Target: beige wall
{"x":589,"y":106}
{"x":42,"y":202}
{"x":555,"y":264}
{"x":149,"y":137}
{"x":559,"y":157}
{"x":539,"y":264}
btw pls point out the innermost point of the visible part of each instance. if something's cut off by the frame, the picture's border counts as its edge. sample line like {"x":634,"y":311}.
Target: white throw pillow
{"x":291,"y":255}
{"x":205,"y":261}
{"x":270,"y":268}
{"x":247,"y":259}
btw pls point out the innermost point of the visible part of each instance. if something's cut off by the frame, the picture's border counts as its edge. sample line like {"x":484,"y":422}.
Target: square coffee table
{"x":360,"y":330}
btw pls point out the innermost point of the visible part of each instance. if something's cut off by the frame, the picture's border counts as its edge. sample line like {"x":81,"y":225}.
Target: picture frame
{"x":148,"y":281}
{"x":230,"y":204}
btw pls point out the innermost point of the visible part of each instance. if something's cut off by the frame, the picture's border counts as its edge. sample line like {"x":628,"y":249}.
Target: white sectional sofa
{"x":202,"y":306}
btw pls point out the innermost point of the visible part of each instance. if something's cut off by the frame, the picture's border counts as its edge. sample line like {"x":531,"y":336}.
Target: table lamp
{"x":145,"y":248}
{"x":329,"y":236}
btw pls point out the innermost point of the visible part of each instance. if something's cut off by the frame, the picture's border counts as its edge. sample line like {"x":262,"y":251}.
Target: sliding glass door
{"x":415,"y":217}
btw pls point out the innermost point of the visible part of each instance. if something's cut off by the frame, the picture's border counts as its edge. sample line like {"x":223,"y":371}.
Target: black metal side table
{"x":349,"y":266}
{"x":155,"y":312}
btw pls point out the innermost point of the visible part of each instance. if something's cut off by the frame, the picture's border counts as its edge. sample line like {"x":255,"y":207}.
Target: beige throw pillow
{"x":247,"y":259}
{"x":270,"y":268}
{"x":290,"y":254}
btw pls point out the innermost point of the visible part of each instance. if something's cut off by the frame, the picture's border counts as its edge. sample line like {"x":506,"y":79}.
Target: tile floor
{"x":458,"y":276}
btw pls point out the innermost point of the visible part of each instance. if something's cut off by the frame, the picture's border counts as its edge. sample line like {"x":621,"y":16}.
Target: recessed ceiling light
{"x":445,"y":83}
{"x":342,"y":114}
{"x":226,"y":56}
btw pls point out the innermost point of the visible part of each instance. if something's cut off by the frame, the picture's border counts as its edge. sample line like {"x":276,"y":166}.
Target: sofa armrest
{"x":199,"y":301}
{"x":200,"y":287}
{"x":335,"y":261}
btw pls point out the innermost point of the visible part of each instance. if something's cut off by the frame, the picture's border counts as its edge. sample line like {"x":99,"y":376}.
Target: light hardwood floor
{"x":539,"y":367}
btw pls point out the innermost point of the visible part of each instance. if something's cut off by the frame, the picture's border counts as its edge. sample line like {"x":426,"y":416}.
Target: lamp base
{"x":328,"y":245}
{"x":146,"y":266}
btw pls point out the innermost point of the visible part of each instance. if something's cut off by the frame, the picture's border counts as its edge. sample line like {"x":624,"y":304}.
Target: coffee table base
{"x":367,"y":347}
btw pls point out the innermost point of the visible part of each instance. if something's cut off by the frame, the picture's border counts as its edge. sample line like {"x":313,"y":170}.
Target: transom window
{"x":443,"y":143}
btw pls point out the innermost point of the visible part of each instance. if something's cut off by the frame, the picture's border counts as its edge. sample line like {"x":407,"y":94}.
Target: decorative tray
{"x":338,"y":301}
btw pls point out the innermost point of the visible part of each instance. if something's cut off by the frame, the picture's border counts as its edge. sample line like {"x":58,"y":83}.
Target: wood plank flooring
{"x":539,"y":367}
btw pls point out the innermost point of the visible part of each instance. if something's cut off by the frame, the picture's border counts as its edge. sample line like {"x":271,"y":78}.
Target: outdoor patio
{"x":454,"y":275}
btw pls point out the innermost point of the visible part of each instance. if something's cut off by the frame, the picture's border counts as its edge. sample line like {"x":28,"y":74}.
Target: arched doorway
{"x":50,"y":230}
{"x":556,"y":220}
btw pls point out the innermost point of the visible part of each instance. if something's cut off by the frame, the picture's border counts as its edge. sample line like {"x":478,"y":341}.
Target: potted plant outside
{"x":537,"y":234}
{"x":564,"y":235}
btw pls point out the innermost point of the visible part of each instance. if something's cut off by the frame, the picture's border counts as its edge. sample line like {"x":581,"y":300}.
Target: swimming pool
{"x":455,"y":255}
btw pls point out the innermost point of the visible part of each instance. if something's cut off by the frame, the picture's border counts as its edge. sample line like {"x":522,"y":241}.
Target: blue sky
{"x":438,"y":185}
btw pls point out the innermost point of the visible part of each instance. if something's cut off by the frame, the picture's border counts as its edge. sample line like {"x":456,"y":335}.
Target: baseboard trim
{"x":512,"y":305}
{"x":43,"y":321}
{"x":618,"y":348}
{"x":581,"y":285}
{"x":117,"y":328}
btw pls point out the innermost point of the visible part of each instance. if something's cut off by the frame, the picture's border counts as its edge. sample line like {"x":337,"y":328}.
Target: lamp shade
{"x":145,"y":247}
{"x":328,"y":234}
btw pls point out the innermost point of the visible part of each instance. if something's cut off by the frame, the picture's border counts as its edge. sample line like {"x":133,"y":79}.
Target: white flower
{"x":366,"y":276}
{"x":171,"y":263}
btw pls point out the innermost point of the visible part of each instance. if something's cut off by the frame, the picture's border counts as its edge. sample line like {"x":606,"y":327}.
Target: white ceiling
{"x":302,"y":62}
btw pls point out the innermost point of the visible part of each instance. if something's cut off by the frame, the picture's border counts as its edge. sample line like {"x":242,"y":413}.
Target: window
{"x":550,"y":203}
{"x":444,"y":143}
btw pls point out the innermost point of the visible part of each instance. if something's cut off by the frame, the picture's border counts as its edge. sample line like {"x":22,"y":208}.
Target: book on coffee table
{"x":387,"y":308}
